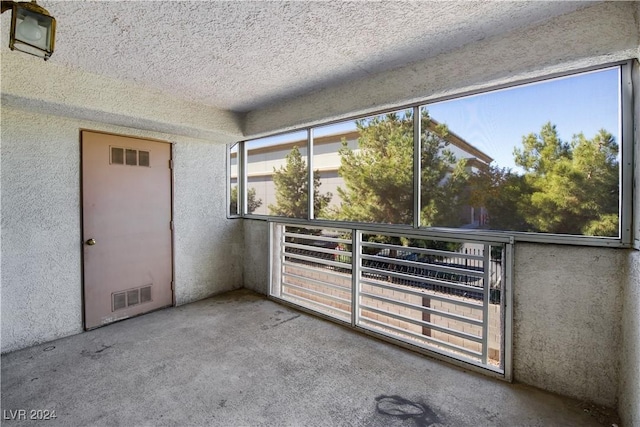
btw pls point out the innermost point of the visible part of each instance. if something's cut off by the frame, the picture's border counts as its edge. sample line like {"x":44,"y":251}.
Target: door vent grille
{"x":143,"y":158}
{"x":131,"y":297}
{"x":130,"y":157}
{"x":117,"y":156}
{"x":145,"y":294}
{"x":119,"y":301}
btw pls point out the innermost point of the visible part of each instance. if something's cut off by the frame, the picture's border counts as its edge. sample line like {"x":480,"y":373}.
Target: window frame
{"x":627,"y":144}
{"x":239,"y":167}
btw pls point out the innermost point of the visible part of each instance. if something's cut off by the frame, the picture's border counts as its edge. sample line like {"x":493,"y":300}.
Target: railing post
{"x":356,"y":238}
{"x":486,"y":286}
{"x":417,"y":166}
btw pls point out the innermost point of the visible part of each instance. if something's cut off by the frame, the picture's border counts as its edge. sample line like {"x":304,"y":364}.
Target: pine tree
{"x":252,"y":203}
{"x":573,"y":187}
{"x":378,"y":178}
{"x":292,"y":184}
{"x":504,"y":194}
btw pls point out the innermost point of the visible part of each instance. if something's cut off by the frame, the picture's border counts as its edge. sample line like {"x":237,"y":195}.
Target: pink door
{"x":126,"y":207}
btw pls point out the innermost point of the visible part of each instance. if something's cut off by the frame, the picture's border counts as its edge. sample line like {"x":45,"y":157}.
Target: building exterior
{"x":263,"y":161}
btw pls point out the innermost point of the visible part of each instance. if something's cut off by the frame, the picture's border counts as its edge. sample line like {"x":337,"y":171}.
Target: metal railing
{"x":444,"y":295}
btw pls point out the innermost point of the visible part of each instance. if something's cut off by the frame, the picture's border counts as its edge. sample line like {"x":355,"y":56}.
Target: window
{"x":544,"y":161}
{"x":364,"y":169}
{"x":541,"y":158}
{"x":233,"y":187}
{"x":277,"y":175}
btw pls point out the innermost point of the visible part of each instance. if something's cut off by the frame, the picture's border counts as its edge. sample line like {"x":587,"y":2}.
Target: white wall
{"x":41,"y":281}
{"x":566,"y":315}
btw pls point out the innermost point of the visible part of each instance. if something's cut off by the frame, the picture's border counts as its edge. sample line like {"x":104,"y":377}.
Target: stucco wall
{"x":629,"y":391}
{"x":591,"y":36}
{"x":41,"y":276}
{"x":256,"y":255}
{"x":566,"y":333}
{"x":67,"y":92}
{"x":41,"y":283}
{"x":208,"y":257}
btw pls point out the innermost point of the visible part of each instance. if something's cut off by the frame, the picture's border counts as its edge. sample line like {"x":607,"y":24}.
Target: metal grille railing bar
{"x":421,"y":339}
{"x":425,"y":251}
{"x":320,"y":237}
{"x":419,"y":279}
{"x":421,"y":323}
{"x":314,"y":305}
{"x":424,"y":309}
{"x":392,"y":287}
{"x":309,"y":248}
{"x":421,"y":267}
{"x":485,"y":305}
{"x":313,"y":260}
{"x":314,"y":269}
{"x":317,"y":293}
{"x":316,"y":282}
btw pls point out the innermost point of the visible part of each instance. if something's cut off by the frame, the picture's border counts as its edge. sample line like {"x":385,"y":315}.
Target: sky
{"x":496,"y":121}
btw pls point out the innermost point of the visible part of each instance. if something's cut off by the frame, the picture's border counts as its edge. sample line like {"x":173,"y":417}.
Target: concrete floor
{"x":241,"y":360}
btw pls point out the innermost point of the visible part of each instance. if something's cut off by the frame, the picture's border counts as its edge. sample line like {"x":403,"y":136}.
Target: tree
{"x":252,"y":203}
{"x":504,"y":194}
{"x":292,"y":184}
{"x":572,"y":187}
{"x":378,"y":178}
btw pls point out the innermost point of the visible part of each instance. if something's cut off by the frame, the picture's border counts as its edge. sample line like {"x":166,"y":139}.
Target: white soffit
{"x":242,"y":56}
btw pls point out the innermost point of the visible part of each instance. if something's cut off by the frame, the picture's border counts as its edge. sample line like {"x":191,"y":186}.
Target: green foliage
{"x":252,"y":203}
{"x":566,"y":188}
{"x":378,"y":178}
{"x":292,"y":184}
{"x":504,"y":194}
{"x":574,"y":187}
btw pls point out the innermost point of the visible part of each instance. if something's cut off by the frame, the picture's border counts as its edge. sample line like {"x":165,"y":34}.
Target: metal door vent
{"x":119,"y":301}
{"x":145,"y":294}
{"x":130,"y":157}
{"x":131,"y":297}
{"x":143,"y":158}
{"x":117,"y":156}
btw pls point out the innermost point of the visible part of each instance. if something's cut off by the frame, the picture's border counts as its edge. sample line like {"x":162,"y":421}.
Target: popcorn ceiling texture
{"x":557,"y":45}
{"x":242,"y":56}
{"x":317,"y":61}
{"x":41,"y":230}
{"x":73,"y":93}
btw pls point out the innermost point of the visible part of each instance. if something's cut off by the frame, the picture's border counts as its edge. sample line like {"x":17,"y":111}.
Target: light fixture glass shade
{"x":32,"y":30}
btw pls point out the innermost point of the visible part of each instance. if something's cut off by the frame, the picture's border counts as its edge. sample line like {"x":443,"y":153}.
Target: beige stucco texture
{"x":41,"y":224}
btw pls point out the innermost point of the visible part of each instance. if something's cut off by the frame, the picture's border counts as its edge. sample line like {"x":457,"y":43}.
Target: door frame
{"x":172,"y":210}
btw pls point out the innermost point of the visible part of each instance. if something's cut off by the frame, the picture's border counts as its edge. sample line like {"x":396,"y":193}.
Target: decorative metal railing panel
{"x":444,"y":295}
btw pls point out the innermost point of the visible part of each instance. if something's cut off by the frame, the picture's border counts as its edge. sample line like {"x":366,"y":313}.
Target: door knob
{"x":91,"y":242}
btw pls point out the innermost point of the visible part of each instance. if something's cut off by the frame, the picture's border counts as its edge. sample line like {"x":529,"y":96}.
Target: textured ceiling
{"x":244,"y":56}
